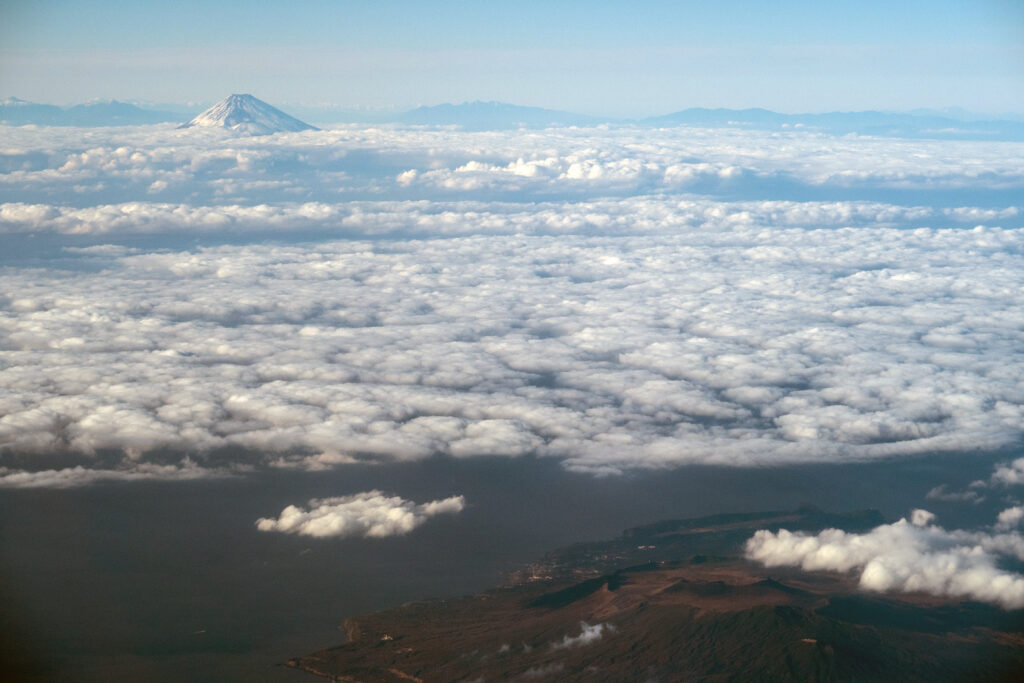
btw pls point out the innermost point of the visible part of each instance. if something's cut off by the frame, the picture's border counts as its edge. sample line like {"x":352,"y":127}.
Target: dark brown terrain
{"x":675,"y":601}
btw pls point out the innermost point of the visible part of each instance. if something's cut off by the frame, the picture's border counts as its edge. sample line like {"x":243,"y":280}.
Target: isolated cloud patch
{"x":589,"y":634}
{"x":944,"y":493}
{"x":1005,"y":475}
{"x":1010,"y":518}
{"x":368,"y":515}
{"x":907,"y":556}
{"x":1008,"y":474}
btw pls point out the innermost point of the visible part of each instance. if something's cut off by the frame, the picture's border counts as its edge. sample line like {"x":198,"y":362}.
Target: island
{"x":677,"y":601}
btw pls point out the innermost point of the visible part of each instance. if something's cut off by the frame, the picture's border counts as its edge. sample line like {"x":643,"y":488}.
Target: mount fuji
{"x":246,"y":114}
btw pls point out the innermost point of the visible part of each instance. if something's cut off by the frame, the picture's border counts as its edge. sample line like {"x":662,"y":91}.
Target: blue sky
{"x":632,"y":58}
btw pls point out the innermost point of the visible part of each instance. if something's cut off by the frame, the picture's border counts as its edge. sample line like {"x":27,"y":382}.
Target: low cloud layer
{"x":367,"y":515}
{"x":737,"y":347}
{"x":563,"y":298}
{"x":908,"y":556}
{"x":367,"y":220}
{"x":74,"y":167}
{"x":732,"y":348}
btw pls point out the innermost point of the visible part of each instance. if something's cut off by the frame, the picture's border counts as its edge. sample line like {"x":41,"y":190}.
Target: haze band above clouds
{"x":613,"y":332}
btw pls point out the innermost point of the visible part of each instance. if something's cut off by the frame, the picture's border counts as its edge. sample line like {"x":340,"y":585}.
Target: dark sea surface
{"x":171,"y":581}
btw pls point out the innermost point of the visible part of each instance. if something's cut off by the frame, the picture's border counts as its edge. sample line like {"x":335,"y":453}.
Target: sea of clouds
{"x":183,"y":303}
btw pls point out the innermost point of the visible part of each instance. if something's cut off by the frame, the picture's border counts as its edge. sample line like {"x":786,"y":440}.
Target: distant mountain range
{"x":17,"y":112}
{"x":477,"y":116}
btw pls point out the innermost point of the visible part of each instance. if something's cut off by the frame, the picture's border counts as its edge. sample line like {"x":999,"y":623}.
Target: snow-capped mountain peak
{"x":247,"y":114}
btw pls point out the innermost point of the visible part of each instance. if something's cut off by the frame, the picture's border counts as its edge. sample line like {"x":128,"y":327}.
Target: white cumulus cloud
{"x":906,"y":556}
{"x":370,"y":515}
{"x":1010,"y":518}
{"x":589,"y":634}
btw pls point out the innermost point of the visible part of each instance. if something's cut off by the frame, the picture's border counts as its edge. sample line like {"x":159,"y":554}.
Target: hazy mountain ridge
{"x":953,"y":123}
{"x":18,"y":112}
